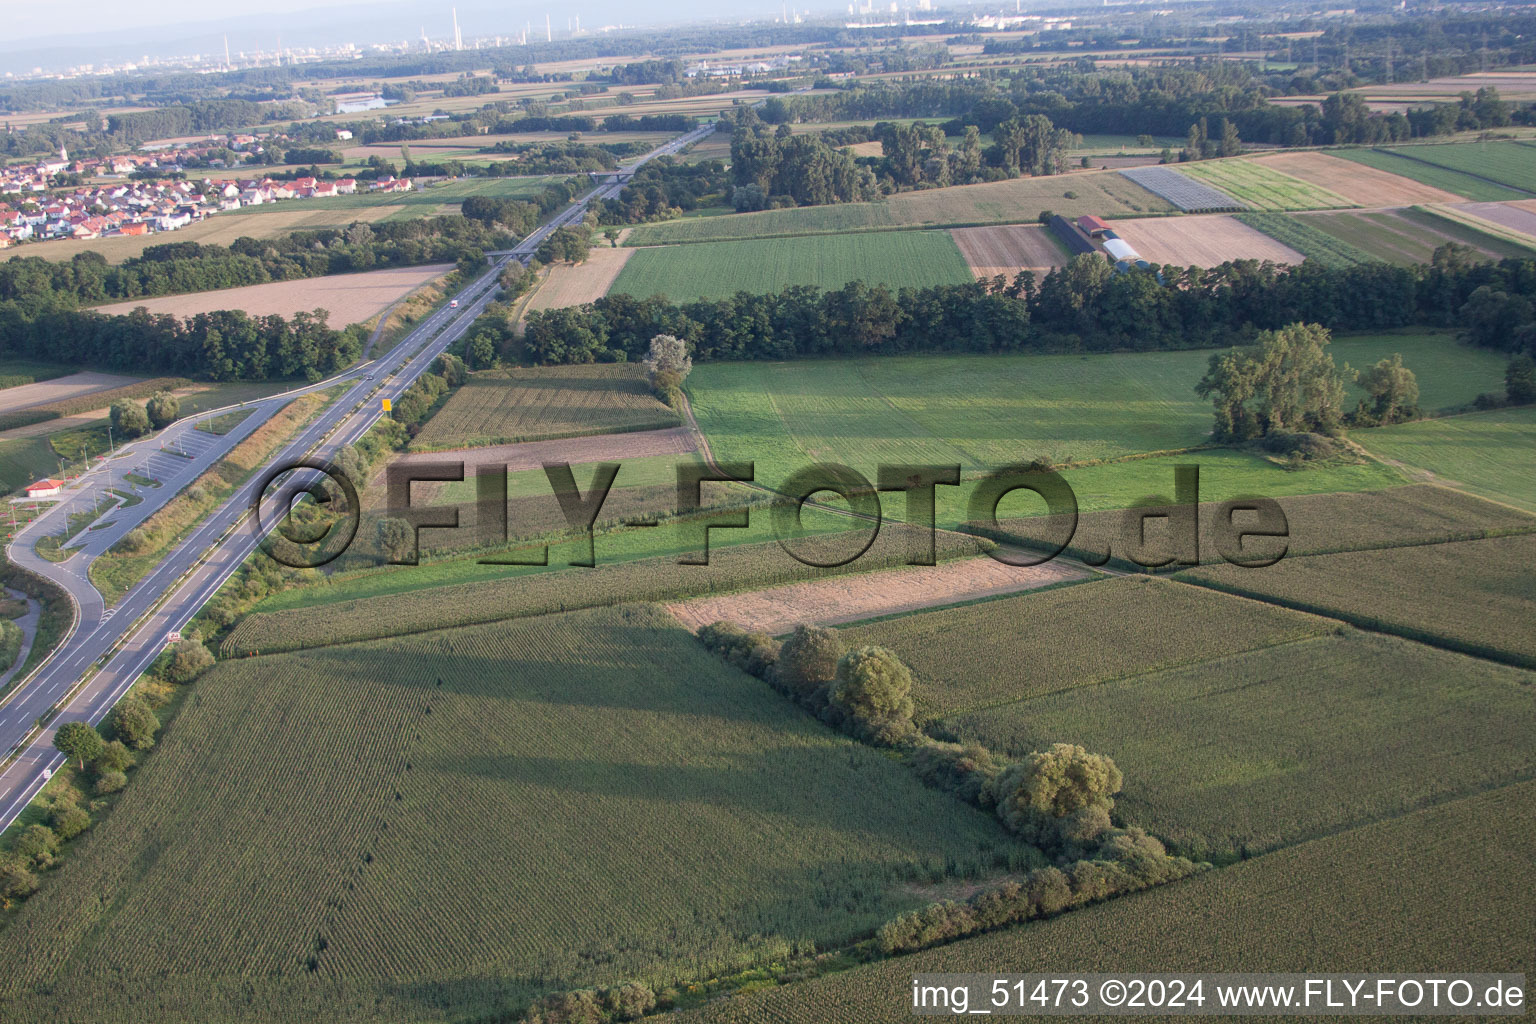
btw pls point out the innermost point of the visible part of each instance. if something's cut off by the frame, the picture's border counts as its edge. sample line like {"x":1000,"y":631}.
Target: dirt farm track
{"x":347,"y":298}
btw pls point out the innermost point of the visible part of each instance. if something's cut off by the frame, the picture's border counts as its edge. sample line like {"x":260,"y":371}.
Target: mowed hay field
{"x":1356,"y":182}
{"x":1262,"y":186}
{"x":1248,"y":752}
{"x":573,"y":284}
{"x":717,"y":269}
{"x":1001,"y":202}
{"x":1008,"y":249}
{"x":986,"y":411}
{"x":506,"y":406}
{"x":1488,"y":453}
{"x":1201,"y":241}
{"x":1341,"y":901}
{"x":1000,"y":652}
{"x":347,"y":298}
{"x":1483,"y":600}
{"x":470,"y":818}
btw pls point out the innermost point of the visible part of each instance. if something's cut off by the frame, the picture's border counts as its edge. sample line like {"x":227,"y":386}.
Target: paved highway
{"x":108,"y":649}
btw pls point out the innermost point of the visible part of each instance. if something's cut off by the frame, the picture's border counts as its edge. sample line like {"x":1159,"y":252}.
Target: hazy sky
{"x":89,"y":17}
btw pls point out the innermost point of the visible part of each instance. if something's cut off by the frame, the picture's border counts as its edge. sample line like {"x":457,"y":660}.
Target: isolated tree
{"x":1392,"y":388}
{"x":808,"y":659}
{"x":1520,"y":380}
{"x":135,"y":723}
{"x":668,"y":354}
{"x":162,"y":409}
{"x":1058,"y":797}
{"x":396,"y":539}
{"x":78,"y":741}
{"x":451,"y":368}
{"x":872,"y":684}
{"x":189,"y":659}
{"x":129,"y":418}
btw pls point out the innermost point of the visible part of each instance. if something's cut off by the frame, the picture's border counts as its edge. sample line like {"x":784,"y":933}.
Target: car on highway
{"x":454,"y":304}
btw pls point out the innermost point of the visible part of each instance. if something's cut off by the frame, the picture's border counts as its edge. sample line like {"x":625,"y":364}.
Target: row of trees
{"x":663,"y":188}
{"x":130,"y":419}
{"x":221,"y":345}
{"x":802,"y":169}
{"x":1084,"y":306}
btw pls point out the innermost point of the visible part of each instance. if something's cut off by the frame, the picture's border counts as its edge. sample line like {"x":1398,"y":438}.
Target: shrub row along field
{"x":1262,"y":186}
{"x":403,"y":603}
{"x":1253,"y":751}
{"x":1337,"y":901}
{"x":1434,"y":172}
{"x":1302,"y":236}
{"x":712,"y":270}
{"x":1489,"y":453}
{"x":1011,"y":649}
{"x":526,"y":404}
{"x":1020,"y":200}
{"x":1315,"y":523}
{"x":985,"y":411}
{"x":1483,"y":600}
{"x":15,"y":373}
{"x":431,"y":833}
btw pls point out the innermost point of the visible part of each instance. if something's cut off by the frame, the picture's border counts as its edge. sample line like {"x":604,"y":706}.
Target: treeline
{"x":222,"y":345}
{"x":1135,"y":101}
{"x":521,"y":216}
{"x":557,"y":157}
{"x":1085,"y":306}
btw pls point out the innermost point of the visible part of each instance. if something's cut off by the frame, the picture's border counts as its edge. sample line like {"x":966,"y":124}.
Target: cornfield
{"x":1242,"y":754}
{"x":1337,"y":901}
{"x":468,"y":819}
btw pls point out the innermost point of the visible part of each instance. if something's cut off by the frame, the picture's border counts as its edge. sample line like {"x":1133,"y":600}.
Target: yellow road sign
{"x":386,"y":405}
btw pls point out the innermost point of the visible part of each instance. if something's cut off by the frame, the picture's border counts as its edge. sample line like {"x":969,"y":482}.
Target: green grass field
{"x":987,"y":411}
{"x":1020,"y":200}
{"x":1432,"y":169}
{"x":712,"y":270}
{"x":25,"y":459}
{"x":420,"y":202}
{"x":526,"y":404}
{"x":1483,"y":601}
{"x":1262,"y":187}
{"x":1245,"y":753}
{"x":1011,"y":649}
{"x":1488,"y":453}
{"x":1505,"y":163}
{"x":1338,"y":901}
{"x":609,"y":802}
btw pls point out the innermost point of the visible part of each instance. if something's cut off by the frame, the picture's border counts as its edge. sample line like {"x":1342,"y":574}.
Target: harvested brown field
{"x":1357,"y":182}
{"x":866,"y":595}
{"x":1008,"y":249}
{"x":348,"y":298}
{"x":60,"y":389}
{"x":571,"y":285}
{"x":1201,"y":241}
